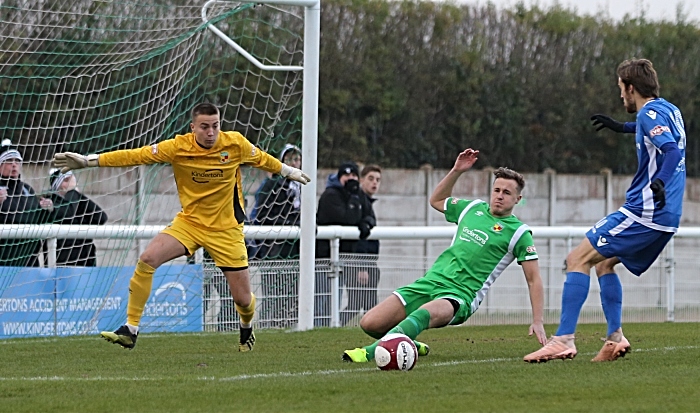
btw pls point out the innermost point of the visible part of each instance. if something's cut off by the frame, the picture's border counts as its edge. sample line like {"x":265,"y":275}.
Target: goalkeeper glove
{"x":606,"y":121}
{"x":657,"y":188}
{"x":68,"y":161}
{"x":294,"y":174}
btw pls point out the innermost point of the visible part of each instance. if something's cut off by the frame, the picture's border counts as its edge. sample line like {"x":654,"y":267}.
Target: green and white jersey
{"x":483,"y":247}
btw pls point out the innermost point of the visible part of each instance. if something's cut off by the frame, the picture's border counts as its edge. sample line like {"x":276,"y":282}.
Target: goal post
{"x":93,"y":76}
{"x":310,"y":69}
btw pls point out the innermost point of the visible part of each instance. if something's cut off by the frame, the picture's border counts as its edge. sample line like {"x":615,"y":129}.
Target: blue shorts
{"x":635,"y":245}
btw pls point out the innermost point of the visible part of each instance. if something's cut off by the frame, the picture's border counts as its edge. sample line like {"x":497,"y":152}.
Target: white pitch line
{"x":284,"y":374}
{"x":53,"y":339}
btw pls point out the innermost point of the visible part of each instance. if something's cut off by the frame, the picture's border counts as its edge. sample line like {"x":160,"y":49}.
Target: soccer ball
{"x":396,"y":352}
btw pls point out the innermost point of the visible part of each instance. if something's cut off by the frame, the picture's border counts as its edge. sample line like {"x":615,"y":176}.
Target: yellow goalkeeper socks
{"x":139,"y":290}
{"x":247,"y":313}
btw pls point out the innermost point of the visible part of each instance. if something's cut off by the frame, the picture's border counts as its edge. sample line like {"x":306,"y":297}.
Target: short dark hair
{"x":370,"y":168}
{"x":204,"y":109}
{"x":507,"y":173}
{"x":639,"y":73}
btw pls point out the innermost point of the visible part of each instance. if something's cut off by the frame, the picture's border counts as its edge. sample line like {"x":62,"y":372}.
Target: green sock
{"x":411,"y":326}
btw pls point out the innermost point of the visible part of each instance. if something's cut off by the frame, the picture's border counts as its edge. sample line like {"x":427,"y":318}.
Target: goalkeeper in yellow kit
{"x":206,"y":166}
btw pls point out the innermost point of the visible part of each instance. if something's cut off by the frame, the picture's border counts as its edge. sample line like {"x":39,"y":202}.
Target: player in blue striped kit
{"x":636,"y":234}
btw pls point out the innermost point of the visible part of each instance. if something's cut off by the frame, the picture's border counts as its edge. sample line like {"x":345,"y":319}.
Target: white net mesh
{"x":93,"y":76}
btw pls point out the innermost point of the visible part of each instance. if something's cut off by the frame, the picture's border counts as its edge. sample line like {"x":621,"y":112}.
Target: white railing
{"x":567,"y":233}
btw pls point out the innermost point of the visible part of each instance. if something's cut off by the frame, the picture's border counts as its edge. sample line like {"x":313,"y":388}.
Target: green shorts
{"x":425,"y":290}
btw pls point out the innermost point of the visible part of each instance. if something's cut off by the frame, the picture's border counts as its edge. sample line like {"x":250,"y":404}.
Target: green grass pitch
{"x":470,"y":369}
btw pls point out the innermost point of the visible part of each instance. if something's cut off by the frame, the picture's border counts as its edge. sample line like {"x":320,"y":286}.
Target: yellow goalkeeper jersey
{"x":208,"y":180}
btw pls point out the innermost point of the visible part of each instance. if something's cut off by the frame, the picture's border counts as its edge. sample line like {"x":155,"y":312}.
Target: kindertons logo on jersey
{"x":207,"y":176}
{"x":474,"y":235}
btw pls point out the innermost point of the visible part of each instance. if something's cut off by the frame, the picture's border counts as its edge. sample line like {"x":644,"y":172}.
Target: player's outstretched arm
{"x":68,"y":161}
{"x":443,"y":190}
{"x":534,"y":283}
{"x":601,"y":122}
{"x":294,"y":174}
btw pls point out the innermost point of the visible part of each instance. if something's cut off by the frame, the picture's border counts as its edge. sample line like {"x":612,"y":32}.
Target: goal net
{"x":93,"y":76}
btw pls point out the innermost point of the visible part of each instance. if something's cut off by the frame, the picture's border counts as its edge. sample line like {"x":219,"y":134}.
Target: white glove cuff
{"x":286,"y":170}
{"x":93,"y":160}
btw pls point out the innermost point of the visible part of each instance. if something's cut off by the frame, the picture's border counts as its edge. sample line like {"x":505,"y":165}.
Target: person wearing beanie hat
{"x":206,"y":166}
{"x":19,"y":204}
{"x":342,"y":203}
{"x":81,"y":210}
{"x":290,"y":150}
{"x":348,"y":168}
{"x":278,"y":202}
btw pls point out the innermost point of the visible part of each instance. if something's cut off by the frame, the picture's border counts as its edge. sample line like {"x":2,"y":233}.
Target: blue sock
{"x":611,"y":298}
{"x":572,"y":299}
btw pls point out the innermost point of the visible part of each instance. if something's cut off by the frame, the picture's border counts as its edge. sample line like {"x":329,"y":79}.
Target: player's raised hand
{"x":294,"y":174}
{"x":69,"y":161}
{"x":605,"y":121}
{"x":466,"y":159}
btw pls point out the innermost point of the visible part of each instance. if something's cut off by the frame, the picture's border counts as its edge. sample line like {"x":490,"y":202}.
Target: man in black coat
{"x":342,"y":203}
{"x":81,"y":211}
{"x":362,"y":276}
{"x":19,"y":204}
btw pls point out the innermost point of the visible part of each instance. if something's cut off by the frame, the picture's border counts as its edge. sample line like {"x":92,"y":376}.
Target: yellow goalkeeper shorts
{"x":227,"y":248}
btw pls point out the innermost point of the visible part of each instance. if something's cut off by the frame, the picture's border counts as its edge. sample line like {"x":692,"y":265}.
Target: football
{"x":396,"y":352}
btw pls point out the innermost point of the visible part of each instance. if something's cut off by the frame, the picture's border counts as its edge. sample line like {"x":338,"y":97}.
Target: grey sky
{"x":616,"y":9}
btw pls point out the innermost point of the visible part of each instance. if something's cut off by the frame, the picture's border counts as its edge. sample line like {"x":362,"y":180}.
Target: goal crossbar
{"x":239,"y":48}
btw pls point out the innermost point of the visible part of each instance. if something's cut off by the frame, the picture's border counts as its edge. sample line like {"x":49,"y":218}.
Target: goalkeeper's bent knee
{"x":248,"y":312}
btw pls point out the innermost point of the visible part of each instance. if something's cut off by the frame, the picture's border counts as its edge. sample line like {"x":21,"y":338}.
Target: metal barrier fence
{"x":668,"y":291}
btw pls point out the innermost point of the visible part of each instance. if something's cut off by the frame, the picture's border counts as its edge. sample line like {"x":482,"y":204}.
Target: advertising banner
{"x":36,"y":302}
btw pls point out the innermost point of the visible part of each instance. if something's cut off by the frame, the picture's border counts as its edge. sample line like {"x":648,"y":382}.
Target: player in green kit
{"x":488,"y":238}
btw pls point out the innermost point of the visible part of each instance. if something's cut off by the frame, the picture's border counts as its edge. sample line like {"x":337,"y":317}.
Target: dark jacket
{"x":277,"y":202}
{"x":81,"y":211}
{"x":22,"y":207}
{"x":337,"y":206}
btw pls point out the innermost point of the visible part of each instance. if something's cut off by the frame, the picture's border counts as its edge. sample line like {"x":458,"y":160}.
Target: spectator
{"x":361,"y":280}
{"x":81,"y":211}
{"x":278,"y":202}
{"x":19,"y":204}
{"x":342,"y":203}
